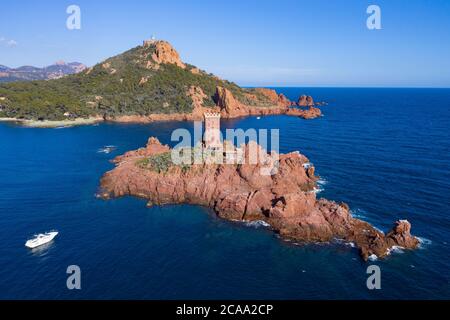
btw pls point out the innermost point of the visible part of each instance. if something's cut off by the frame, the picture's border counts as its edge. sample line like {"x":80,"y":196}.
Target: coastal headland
{"x":144,"y":84}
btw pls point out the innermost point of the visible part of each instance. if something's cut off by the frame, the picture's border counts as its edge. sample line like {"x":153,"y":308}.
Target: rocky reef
{"x":285,"y":198}
{"x":304,"y":101}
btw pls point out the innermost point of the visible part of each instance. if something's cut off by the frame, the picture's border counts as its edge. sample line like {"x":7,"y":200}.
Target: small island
{"x":279,"y":189}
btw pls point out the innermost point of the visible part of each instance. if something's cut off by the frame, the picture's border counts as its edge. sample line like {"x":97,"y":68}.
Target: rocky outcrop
{"x":143,"y":81}
{"x":165,"y":53}
{"x":310,"y":113}
{"x":195,"y":71}
{"x":197,"y":95}
{"x":305,"y":101}
{"x":230,"y":107}
{"x":274,"y":97}
{"x":400,"y":235}
{"x":286,"y":199}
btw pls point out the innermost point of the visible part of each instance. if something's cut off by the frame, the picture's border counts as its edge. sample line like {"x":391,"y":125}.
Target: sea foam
{"x":395,"y":249}
{"x":257,"y":224}
{"x":373,"y":257}
{"x":423,"y":242}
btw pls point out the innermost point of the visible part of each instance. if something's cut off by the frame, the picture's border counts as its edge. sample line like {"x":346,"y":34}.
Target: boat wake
{"x":107,"y":149}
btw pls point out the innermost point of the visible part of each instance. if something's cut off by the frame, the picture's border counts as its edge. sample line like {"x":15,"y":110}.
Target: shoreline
{"x":197,"y":115}
{"x":53,"y":123}
{"x":227,"y":106}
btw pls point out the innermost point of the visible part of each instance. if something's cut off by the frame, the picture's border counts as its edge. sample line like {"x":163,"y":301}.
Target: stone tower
{"x":212,"y":130}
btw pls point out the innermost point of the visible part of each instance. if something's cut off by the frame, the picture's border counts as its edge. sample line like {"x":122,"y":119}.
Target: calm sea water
{"x":386,"y":152}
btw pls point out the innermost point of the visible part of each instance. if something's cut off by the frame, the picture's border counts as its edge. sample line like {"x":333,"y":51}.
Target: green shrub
{"x":159,"y":162}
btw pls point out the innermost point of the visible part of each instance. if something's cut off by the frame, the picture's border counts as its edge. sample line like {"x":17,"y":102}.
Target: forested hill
{"x":147,"y":79}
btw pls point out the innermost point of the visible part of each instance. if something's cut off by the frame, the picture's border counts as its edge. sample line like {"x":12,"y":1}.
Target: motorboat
{"x":40,"y":239}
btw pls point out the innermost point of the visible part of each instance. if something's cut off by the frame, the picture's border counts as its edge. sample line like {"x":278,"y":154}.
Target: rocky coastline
{"x":227,"y":106}
{"x":286,"y":200}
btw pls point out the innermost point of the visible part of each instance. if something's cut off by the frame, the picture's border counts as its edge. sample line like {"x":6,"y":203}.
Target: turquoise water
{"x":386,"y":152}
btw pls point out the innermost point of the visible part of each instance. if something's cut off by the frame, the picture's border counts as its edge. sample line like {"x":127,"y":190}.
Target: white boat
{"x":258,"y":118}
{"x":41,"y":239}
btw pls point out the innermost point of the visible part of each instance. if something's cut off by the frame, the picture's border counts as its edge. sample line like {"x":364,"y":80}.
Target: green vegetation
{"x":114,"y":88}
{"x":159,"y":162}
{"x":162,"y":162}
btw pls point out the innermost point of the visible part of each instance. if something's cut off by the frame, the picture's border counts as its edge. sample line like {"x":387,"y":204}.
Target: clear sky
{"x":279,"y":43}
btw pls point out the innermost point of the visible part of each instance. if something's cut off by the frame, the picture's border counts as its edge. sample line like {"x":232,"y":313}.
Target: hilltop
{"x":146,"y":83}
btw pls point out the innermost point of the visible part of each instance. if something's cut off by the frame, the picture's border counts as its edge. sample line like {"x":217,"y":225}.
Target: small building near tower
{"x":149,"y":42}
{"x":211,"y":136}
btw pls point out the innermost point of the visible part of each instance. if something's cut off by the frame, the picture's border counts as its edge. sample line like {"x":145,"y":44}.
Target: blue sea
{"x":386,"y":152}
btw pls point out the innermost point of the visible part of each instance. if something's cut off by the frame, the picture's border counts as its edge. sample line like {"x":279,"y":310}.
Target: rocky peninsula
{"x":284,"y":199}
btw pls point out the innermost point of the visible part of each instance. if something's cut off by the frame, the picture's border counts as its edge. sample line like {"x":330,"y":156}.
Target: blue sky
{"x":269,"y":43}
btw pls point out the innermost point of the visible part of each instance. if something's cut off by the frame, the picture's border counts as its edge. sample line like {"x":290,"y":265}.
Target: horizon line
{"x":343,"y":87}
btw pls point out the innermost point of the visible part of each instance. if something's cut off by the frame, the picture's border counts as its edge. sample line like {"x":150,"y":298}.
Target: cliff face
{"x":285,"y":200}
{"x":165,"y":53}
{"x":276,"y":99}
{"x":231,"y":108}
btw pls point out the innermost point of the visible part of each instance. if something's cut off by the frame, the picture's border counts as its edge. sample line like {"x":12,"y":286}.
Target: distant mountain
{"x":29,"y":73}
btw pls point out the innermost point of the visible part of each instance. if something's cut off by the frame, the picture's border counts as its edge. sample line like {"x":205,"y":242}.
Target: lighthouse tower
{"x":212,"y":130}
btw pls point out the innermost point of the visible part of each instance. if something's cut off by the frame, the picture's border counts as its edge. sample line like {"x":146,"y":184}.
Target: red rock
{"x":274,"y":97}
{"x":285,"y":199}
{"x":310,"y":113}
{"x":227,"y":103}
{"x":400,"y":235}
{"x":305,"y":101}
{"x":165,"y":53}
{"x":232,"y":108}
